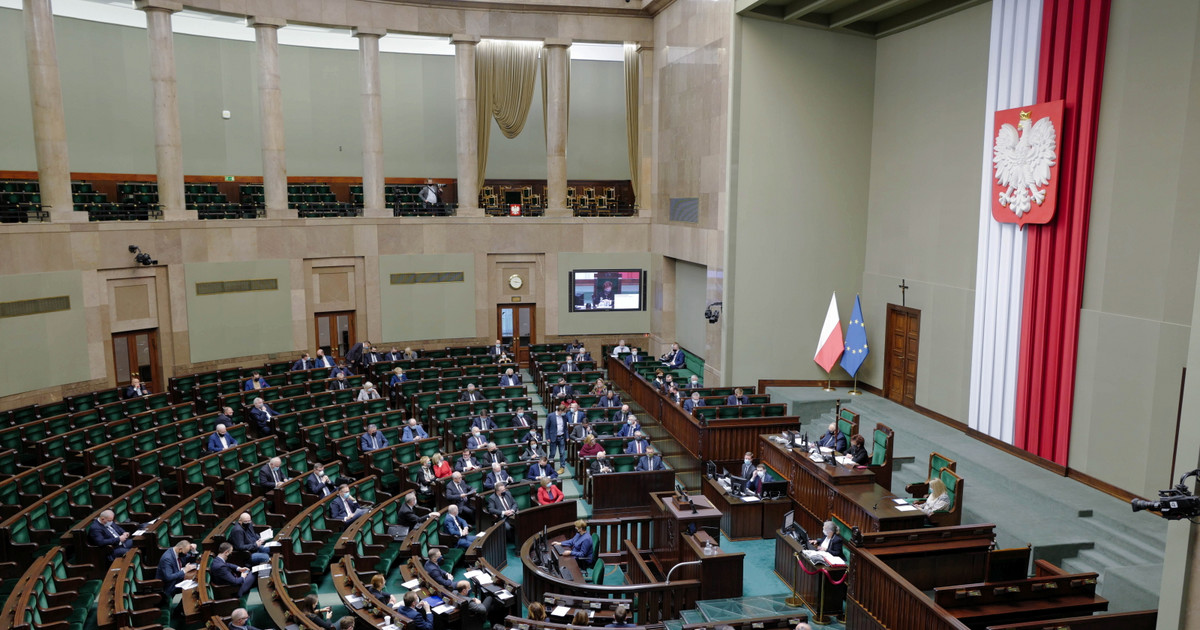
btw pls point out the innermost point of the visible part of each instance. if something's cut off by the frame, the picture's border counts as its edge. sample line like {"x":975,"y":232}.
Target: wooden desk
{"x":720,"y":573}
{"x":746,"y":520}
{"x":814,"y":586}
{"x":624,"y":490}
{"x":822,"y":490}
{"x":671,"y":521}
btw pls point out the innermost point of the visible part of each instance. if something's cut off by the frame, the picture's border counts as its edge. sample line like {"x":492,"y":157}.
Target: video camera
{"x":1174,"y":504}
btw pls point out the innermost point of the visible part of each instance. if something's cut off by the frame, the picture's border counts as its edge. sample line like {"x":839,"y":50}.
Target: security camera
{"x":713,"y":312}
{"x":133,"y":249}
{"x":141,"y":258}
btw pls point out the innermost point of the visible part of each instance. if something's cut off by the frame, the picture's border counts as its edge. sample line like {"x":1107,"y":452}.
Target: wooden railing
{"x":887,"y":600}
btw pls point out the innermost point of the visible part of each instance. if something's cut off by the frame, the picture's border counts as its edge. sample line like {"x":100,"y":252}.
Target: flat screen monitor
{"x":737,"y":484}
{"x":788,"y":519}
{"x":607,"y":290}
{"x":774,"y":488}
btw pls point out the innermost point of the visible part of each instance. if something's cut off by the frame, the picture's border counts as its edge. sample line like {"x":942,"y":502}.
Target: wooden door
{"x":903,"y":341}
{"x":335,"y":332}
{"x":136,"y":354}
{"x":517,"y":328}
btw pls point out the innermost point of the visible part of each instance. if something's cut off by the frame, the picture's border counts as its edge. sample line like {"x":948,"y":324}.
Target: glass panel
{"x":524,"y":323}
{"x":142,"y":342}
{"x":343,"y":328}
{"x":323,"y":334}
{"x":121,"y":358}
{"x":506,"y":324}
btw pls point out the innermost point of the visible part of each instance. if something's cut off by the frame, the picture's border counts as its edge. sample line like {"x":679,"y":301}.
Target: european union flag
{"x":856,"y":341}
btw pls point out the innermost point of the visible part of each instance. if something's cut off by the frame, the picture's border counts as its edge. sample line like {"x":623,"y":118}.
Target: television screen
{"x":607,"y":290}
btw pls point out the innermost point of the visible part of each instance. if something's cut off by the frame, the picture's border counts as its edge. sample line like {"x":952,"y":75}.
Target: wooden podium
{"x":720,"y":572}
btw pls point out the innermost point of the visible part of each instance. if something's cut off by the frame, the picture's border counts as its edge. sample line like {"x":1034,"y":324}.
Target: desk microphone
{"x":874,"y":507}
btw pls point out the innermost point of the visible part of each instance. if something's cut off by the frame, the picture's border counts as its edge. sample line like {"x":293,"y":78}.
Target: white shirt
{"x":619,"y":349}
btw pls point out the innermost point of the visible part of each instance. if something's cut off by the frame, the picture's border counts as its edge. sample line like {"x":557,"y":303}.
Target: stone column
{"x":168,"y":142}
{"x":374,"y":204}
{"x":557,"y":67}
{"x":49,"y":122}
{"x":649,"y":185}
{"x":467,"y":125}
{"x":270,"y":108}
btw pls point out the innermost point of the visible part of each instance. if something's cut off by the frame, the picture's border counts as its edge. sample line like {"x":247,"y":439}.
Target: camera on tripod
{"x":1174,"y":504}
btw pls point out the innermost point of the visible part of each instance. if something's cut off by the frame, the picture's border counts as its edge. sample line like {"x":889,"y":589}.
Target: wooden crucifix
{"x":903,"y":290}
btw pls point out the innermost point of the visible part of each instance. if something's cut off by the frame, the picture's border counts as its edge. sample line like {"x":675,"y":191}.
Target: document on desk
{"x":906,"y":508}
{"x":503,"y":595}
{"x":750,"y":498}
{"x":900,"y":501}
{"x":560,"y":611}
{"x":187,"y":584}
{"x":444,"y":609}
{"x":411,"y":584}
{"x":273,"y":543}
{"x":260,"y":567}
{"x":267,"y":534}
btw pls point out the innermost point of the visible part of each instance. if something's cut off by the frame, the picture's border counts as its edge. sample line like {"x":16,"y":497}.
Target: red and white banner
{"x":831,"y":343}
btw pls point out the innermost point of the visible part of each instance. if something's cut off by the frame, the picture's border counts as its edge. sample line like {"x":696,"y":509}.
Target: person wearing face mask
{"x":747,"y":465}
{"x":344,"y":508}
{"x":273,"y":474}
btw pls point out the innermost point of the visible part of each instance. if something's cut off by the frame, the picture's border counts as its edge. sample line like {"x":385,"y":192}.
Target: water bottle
{"x":387,"y":620}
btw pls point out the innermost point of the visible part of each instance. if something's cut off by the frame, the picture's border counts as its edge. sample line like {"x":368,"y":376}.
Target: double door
{"x":136,"y":354}
{"x":517,"y":326}
{"x":335,"y":332}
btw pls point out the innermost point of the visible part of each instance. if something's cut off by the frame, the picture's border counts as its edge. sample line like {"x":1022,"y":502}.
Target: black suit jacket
{"x":495,"y":508}
{"x":265,"y":478}
{"x":224,"y":572}
{"x":407,"y":517}
{"x":243,"y":538}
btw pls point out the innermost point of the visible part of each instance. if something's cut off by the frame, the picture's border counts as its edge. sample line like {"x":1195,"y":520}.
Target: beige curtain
{"x":633,"y":71}
{"x":504,"y":76}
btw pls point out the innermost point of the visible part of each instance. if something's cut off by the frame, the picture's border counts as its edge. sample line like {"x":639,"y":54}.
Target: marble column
{"x":374,"y":204}
{"x":467,"y":125}
{"x":646,"y":136}
{"x":270,"y":113}
{"x":168,"y":142}
{"x":49,"y":122}
{"x":557,"y":67}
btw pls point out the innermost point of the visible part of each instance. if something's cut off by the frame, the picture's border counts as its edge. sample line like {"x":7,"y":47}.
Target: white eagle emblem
{"x":1023,"y":163}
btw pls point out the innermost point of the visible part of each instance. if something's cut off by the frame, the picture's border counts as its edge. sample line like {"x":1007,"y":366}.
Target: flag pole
{"x":854,"y":391}
{"x":829,"y":383}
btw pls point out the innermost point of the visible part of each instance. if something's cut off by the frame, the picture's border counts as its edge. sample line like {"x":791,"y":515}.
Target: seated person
{"x":693,"y":403}
{"x":674,"y":358}
{"x":441,"y":467}
{"x":542,"y":469}
{"x":484,"y":421}
{"x":409,"y":353}
{"x":619,"y":618}
{"x":392,"y":355}
{"x":619,"y":348}
{"x":833,"y":438}
{"x":650,"y":461}
{"x":579,"y":546}
{"x":226,"y":417}
{"x":609,"y":399}
{"x":339,"y":382}
{"x":510,"y":379}
{"x":425,"y":478}
{"x":523,"y":419}
{"x":660,"y":380}
{"x":575,"y":415}
{"x":310,"y":607}
{"x":673,"y":392}
{"x":135,"y":388}
{"x":633,"y":357}
{"x":174,"y":565}
{"x":756,"y":480}
{"x":322,"y":361}
{"x":569,"y":365}
{"x":631,"y":425}
{"x":342,"y":370}
{"x":221,"y":571}
{"x":344,"y":508}
{"x":830,"y":542}
{"x":477,"y":439}
{"x":454,"y":525}
{"x":471,"y":395}
{"x":303,"y":363}
{"x":378,"y":590}
{"x":239,"y":619}
{"x":398,"y":376}
{"x":493,"y":455}
{"x":372,"y":440}
{"x":590,"y":446}
{"x":503,"y":506}
{"x":459,"y":493}
{"x":466,"y":462}
{"x":637,"y":445}
{"x":417,"y":611}
{"x":574,"y":346}
{"x":548,"y":493}
{"x":496,"y":349}
{"x":495,"y":476}
{"x":536,"y":611}
{"x":472,"y":612}
{"x":737,"y":398}
{"x":693,"y":383}
{"x":368,"y":392}
{"x":320,"y":484}
{"x":599,"y":387}
{"x":562,"y":391}
{"x":535,"y":446}
{"x":220,"y":440}
{"x":256,"y":382}
{"x":413,"y":431}
{"x":938,"y":499}
{"x":601,"y":464}
{"x":858,"y":451}
{"x":243,"y":538}
{"x":434,"y":569}
{"x":582,"y":355}
{"x":273,"y":474}
{"x":408,"y":517}
{"x":262,"y":413}
{"x":579,"y":430}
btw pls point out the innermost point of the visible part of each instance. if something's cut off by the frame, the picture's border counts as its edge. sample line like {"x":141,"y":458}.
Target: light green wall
{"x":801,"y":154}
{"x":923,"y":217}
{"x":598,"y":323}
{"x":443,"y":310}
{"x":215,"y":75}
{"x":418,"y":115}
{"x":596,"y":144}
{"x":230,"y":325}
{"x":48,"y":349}
{"x":16,"y":127}
{"x":322,"y":111}
{"x":1143,"y":243}
{"x":691,"y":282}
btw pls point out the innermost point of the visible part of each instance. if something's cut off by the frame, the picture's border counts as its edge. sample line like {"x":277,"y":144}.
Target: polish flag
{"x":831,"y":344}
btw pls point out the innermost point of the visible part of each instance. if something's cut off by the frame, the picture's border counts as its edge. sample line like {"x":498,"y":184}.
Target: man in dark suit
{"x":833,"y":438}
{"x":407,"y":515}
{"x":496,"y":475}
{"x":638,"y":444}
{"x":454,"y":525}
{"x":737,"y":398}
{"x":273,"y":474}
{"x":393,"y":355}
{"x":693,"y":403}
{"x":239,"y":619}
{"x":459,"y":493}
{"x":322,"y":361}
{"x":434,"y":569}
{"x":472,"y":612}
{"x":319,"y":483}
{"x":496,"y":349}
{"x":562,"y":391}
{"x":339,"y":382}
{"x":694,"y":383}
{"x":221,"y":571}
{"x":574,"y":415}
{"x":569,"y":365}
{"x":220,"y":440}
{"x":755,"y":481}
{"x":357,"y":352}
{"x":226,"y":417}
{"x":510,"y":378}
{"x":541,"y":469}
{"x":417,"y":611}
{"x":344,"y":508}
{"x":243,"y":538}
{"x":471,"y":395}
{"x":747,"y":466}
{"x":466,"y":462}
{"x":493,"y":455}
{"x":675,"y":357}
{"x":256,"y":381}
{"x":632,"y":357}
{"x":262,"y":413}
{"x":523,"y":419}
{"x":609,"y":399}
{"x":484,"y":421}
{"x":413,"y":431}
{"x":631,"y":425}
{"x":601,"y":465}
{"x":650,"y":461}
{"x":135,"y":388}
{"x":503,"y":506}
{"x":619,"y":616}
{"x":372,"y":439}
{"x":477,"y":439}
{"x":342,"y":368}
{"x":174,"y":565}
{"x":103,"y":532}
{"x":556,"y":433}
